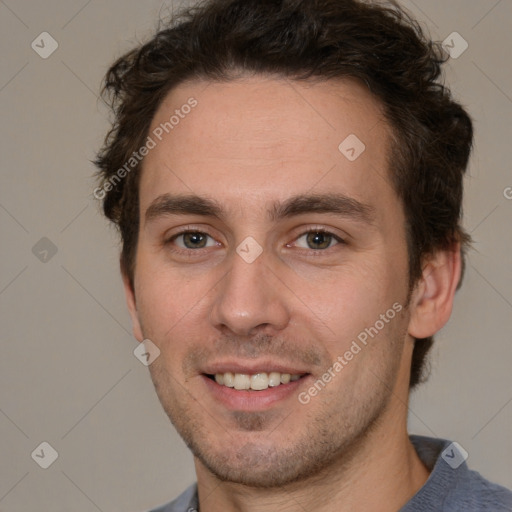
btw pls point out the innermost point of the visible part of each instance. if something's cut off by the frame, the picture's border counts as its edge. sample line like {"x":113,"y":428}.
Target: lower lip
{"x":243,"y":400}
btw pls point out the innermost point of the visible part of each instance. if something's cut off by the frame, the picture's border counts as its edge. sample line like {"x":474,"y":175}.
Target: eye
{"x":317,"y":240}
{"x":192,"y":240}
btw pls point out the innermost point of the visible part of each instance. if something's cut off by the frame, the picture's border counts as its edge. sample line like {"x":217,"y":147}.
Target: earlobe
{"x":432,"y":299}
{"x":132,"y":305}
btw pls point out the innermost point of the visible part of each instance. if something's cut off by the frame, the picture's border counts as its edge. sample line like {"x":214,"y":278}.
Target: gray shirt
{"x":451,"y":486}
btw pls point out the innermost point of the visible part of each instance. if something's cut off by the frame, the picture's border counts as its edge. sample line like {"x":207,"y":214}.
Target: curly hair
{"x":377,"y":43}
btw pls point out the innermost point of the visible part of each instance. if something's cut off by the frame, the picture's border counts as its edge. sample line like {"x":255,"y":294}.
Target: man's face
{"x":304,"y":251}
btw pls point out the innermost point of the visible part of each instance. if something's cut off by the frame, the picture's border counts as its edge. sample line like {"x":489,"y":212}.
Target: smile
{"x":256,"y":382}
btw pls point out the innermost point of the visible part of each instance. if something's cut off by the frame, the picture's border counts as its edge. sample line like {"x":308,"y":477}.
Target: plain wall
{"x":68,"y":375}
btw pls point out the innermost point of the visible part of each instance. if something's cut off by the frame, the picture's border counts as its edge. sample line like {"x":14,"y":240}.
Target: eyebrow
{"x":337,"y":204}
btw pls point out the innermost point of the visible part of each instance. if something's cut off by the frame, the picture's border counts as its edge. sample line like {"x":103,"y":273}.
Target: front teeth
{"x":257,"y":382}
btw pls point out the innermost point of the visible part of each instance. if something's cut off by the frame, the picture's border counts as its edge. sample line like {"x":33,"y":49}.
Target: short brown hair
{"x":378,"y":44}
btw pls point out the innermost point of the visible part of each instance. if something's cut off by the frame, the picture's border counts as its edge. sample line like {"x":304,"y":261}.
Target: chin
{"x":255,"y":466}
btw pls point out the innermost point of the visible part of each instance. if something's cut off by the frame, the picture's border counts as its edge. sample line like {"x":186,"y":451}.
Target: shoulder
{"x":473,"y":492}
{"x":185,"y":502}
{"x":452,"y":486}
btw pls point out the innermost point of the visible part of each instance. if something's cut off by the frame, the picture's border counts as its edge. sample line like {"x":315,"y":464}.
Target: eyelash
{"x":311,"y":252}
{"x":322,"y":231}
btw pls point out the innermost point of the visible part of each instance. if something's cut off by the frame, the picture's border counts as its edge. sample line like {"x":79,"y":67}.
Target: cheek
{"x":350,"y":297}
{"x":165,"y":298}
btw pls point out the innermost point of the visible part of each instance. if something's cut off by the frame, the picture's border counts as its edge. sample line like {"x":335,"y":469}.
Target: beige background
{"x":67,"y":372}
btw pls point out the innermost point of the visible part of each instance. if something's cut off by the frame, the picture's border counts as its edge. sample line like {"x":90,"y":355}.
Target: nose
{"x":250,"y":298}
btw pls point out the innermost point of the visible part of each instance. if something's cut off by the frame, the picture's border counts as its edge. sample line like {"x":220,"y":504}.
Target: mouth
{"x":254,"y":382}
{"x":252,"y":389}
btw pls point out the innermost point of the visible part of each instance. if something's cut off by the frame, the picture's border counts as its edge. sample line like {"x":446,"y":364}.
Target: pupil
{"x":321,"y":240}
{"x":194,"y":240}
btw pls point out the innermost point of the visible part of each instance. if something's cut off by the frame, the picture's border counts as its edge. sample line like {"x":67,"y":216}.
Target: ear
{"x":432,"y":298}
{"x":132,"y":304}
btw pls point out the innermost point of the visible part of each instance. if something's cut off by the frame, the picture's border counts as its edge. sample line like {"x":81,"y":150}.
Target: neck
{"x":380,"y":473}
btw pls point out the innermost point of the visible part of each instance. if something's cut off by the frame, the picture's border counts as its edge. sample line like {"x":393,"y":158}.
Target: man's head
{"x":298,"y":200}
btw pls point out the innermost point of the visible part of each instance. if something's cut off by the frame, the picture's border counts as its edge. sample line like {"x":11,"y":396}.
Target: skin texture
{"x":248,"y":144}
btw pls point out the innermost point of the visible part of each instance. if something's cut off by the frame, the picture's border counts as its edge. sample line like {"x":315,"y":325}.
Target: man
{"x":287,"y":180}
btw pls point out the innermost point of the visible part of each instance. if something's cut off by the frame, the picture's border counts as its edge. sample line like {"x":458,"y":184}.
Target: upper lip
{"x":252,"y":367}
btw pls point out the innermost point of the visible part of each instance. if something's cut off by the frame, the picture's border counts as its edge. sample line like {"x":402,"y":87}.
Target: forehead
{"x":258,"y":138}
